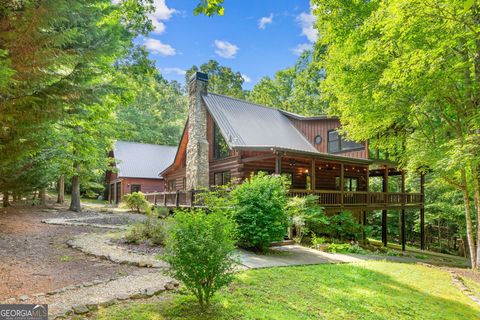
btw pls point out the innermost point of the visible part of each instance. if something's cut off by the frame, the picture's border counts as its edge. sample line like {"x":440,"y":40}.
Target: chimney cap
{"x":199,"y":76}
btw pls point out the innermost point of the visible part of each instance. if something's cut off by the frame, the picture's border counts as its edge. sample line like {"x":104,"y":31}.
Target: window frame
{"x":218,"y":139}
{"x":340,"y":149}
{"x":132,"y":186}
{"x":225,"y":177}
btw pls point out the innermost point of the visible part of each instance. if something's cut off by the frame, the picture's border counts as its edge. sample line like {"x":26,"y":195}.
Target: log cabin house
{"x":136,"y":168}
{"x":226,"y":138}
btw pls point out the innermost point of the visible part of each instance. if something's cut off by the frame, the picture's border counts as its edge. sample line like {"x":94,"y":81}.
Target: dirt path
{"x":34,"y":257}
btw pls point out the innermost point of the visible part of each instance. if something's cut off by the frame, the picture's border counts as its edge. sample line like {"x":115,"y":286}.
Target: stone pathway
{"x":100,"y":246}
{"x":100,"y":220}
{"x":142,"y":284}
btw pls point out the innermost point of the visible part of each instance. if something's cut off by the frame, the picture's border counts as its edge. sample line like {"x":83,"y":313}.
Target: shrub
{"x":259,"y":210}
{"x":136,"y":201}
{"x":199,"y":249}
{"x":151,"y":230}
{"x":342,"y":226}
{"x":305,"y":215}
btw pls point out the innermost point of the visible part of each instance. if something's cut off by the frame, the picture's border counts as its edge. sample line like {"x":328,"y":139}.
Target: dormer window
{"x":337,"y":144}
{"x":220,"y":147}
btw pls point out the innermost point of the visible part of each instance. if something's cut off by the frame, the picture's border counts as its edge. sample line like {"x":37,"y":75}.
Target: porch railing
{"x":326,"y":198}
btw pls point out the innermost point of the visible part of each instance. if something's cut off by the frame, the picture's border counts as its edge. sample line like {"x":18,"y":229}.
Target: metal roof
{"x":141,"y":160}
{"x":244,"y":124}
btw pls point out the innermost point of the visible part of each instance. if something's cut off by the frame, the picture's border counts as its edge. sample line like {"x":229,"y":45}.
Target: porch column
{"x":422,"y":212}
{"x":402,"y":218}
{"x":278,"y":164}
{"x":384,"y":212}
{"x":312,"y":180}
{"x":342,"y":183}
{"x":115,"y":193}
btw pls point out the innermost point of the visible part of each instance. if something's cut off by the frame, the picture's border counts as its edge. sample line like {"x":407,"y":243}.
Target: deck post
{"x":422,"y":212}
{"x":192,"y":198}
{"x":177,"y":198}
{"x":403,"y":229}
{"x":155,"y":198}
{"x":364,"y":223}
{"x":312,"y":181}
{"x":278,"y":164}
{"x":384,"y":212}
{"x":165,"y":199}
{"x":384,"y":228}
{"x":342,"y":184}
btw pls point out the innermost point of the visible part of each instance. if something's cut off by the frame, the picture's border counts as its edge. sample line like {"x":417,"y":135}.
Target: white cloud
{"x":156,"y":46}
{"x":225,"y":49}
{"x":299,"y":49}
{"x":161,"y":13}
{"x":246,"y":78}
{"x":306,"y":21}
{"x":263,"y":21}
{"x":175,"y":70}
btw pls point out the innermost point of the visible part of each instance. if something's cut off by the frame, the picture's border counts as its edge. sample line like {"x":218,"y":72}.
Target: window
{"x":349,"y":183}
{"x":221,"y":178}
{"x":172,"y":185}
{"x":338,"y":144}
{"x":220,"y":147}
{"x":135,"y":188}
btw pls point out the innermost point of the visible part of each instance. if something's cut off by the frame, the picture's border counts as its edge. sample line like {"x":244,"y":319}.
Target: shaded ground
{"x":34,"y":257}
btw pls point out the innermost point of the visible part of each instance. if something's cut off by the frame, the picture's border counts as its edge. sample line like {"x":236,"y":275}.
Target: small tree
{"x":136,"y":201}
{"x":199,"y":249}
{"x":305,"y":215}
{"x":259,"y":210}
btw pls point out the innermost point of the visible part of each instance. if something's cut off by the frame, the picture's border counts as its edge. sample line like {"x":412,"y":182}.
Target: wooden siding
{"x":311,"y":128}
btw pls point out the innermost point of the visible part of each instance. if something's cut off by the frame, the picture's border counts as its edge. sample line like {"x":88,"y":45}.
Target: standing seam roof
{"x":140,"y":160}
{"x":245,"y":124}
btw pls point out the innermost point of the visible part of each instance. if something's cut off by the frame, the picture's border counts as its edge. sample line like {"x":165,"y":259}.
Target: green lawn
{"x":368,"y":290}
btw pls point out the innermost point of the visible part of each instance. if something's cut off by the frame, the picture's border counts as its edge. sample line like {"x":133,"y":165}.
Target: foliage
{"x":136,"y":201}
{"x":209,"y":8}
{"x":305,"y":214}
{"x":384,"y":62}
{"x":221,"y":79}
{"x":156,"y":114}
{"x":259,"y":210}
{"x":343,"y":226}
{"x":295,"y":89}
{"x":345,"y":248}
{"x":199,"y":250}
{"x":152,"y":230}
{"x":414,"y":291}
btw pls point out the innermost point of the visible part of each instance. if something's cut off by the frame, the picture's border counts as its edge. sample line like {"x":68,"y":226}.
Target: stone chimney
{"x":197,"y":147}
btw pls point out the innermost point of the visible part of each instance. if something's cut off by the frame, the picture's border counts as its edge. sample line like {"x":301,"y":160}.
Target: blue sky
{"x":255,"y":37}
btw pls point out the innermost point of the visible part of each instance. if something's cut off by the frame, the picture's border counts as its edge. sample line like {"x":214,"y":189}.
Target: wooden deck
{"x":330,"y":199}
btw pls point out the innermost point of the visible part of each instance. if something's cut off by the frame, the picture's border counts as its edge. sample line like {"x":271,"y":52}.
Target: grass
{"x":472,"y":285}
{"x":367,"y":290}
{"x":66,"y":258}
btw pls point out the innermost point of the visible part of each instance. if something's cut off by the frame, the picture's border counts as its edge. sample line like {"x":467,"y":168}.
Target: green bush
{"x":152,"y":231}
{"x":346,"y":248}
{"x":136,"y":201}
{"x":305,"y":215}
{"x":199,"y":249}
{"x":259,"y":211}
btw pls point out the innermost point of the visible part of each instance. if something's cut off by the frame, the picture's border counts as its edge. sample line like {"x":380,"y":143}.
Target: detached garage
{"x":138,"y":166}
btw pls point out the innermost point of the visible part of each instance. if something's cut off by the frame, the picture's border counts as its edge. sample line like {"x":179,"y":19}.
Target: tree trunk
{"x":43,"y":196}
{"x":6,"y":200}
{"x":468,"y":219}
{"x":14,"y":196}
{"x":61,"y":189}
{"x":476,"y":197}
{"x":75,"y":204}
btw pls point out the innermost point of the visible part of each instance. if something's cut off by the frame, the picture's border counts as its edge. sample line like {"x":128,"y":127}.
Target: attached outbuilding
{"x":137,"y":168}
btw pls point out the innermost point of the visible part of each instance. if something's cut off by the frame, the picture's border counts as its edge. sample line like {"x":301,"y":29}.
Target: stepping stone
{"x":23,"y":298}
{"x":80,"y":309}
